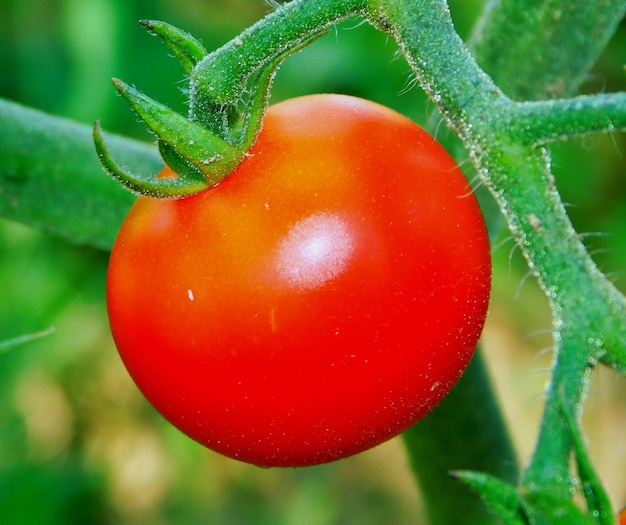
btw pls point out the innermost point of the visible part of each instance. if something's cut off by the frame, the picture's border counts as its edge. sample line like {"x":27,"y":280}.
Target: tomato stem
{"x":598,"y":502}
{"x":229,"y":91}
{"x":545,"y":121}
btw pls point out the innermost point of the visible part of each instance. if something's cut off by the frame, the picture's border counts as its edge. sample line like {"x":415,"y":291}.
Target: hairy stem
{"x":520,"y":180}
{"x":542,"y":122}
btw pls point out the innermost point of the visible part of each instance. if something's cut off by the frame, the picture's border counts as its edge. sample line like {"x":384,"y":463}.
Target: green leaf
{"x":545,"y":508}
{"x":50,"y":177}
{"x":499,"y":495}
{"x":524,"y":507}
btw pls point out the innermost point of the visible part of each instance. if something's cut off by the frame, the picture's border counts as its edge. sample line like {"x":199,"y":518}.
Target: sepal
{"x":170,"y":187}
{"x":207,"y":153}
{"x":184,"y":46}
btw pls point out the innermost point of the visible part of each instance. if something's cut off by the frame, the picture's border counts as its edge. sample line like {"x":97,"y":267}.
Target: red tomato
{"x":316,"y":303}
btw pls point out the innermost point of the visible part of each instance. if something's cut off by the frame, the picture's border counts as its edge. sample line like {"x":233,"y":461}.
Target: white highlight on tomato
{"x":315,"y":251}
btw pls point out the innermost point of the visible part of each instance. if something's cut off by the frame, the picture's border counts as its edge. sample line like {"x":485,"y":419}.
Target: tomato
{"x":319,"y":301}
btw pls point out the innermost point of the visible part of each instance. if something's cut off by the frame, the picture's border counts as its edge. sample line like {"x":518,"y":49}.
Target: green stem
{"x":596,"y":497}
{"x":219,"y":80}
{"x":464,"y":432}
{"x":543,"y":48}
{"x":441,"y":61}
{"x":550,"y":120}
{"x":590,"y":320}
{"x":549,"y":469}
{"x":588,"y":312}
{"x":51,"y":178}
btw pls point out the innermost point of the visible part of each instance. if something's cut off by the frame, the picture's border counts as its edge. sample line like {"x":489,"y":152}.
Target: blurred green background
{"x":78,"y":444}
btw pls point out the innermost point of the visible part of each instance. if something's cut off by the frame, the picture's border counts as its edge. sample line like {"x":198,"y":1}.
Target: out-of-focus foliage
{"x":78,"y":444}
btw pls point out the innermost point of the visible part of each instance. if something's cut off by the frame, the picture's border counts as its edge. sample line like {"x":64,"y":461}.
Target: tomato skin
{"x":316,"y":303}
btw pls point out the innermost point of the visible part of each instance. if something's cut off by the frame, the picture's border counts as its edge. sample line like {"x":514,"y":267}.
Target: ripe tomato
{"x":316,"y":303}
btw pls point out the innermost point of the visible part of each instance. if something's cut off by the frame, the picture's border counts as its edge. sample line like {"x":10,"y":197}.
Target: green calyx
{"x":200,"y":158}
{"x":226,"y":110}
